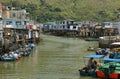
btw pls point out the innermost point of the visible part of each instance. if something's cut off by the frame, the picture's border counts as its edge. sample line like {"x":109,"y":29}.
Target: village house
{"x":16,"y":28}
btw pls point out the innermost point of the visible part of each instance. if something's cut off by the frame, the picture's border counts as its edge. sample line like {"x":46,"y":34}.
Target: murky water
{"x":53,"y":58}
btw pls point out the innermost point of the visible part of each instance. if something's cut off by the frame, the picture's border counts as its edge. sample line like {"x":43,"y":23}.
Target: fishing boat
{"x":27,"y":50}
{"x":11,"y":56}
{"x":31,"y":45}
{"x":91,"y":39}
{"x":111,"y":67}
{"x":24,"y":52}
{"x":7,"y":58}
{"x":89,"y":72}
{"x":16,"y":54}
{"x":109,"y":70}
{"x":102,"y":51}
{"x":91,"y":48}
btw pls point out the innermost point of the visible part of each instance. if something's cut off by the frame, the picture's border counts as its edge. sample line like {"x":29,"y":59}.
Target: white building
{"x":107,"y":24}
{"x":19,"y":14}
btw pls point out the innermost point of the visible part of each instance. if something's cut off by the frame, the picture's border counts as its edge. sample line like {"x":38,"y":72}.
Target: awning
{"x":111,"y":60}
{"x":94,"y":56}
{"x":116,"y":43}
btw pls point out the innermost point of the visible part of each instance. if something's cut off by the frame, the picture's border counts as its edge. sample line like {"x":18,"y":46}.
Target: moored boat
{"x":31,"y":45}
{"x":24,"y":52}
{"x":109,"y":70}
{"x":91,"y":48}
{"x":7,"y":58}
{"x":89,"y":72}
{"x":11,"y":56}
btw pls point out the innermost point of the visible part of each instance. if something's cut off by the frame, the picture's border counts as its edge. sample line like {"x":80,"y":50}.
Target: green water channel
{"x":53,"y":58}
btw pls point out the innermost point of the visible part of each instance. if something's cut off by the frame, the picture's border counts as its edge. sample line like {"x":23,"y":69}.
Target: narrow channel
{"x":53,"y":58}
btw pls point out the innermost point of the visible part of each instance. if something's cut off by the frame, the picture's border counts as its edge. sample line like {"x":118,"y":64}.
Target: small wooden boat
{"x":24,"y":53}
{"x":89,"y":72}
{"x":91,"y":49}
{"x":7,"y":58}
{"x":86,"y":72}
{"x":109,"y":70}
{"x":16,"y":54}
{"x":31,"y":45}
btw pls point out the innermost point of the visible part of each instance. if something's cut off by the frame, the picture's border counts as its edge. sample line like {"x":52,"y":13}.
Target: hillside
{"x":54,"y":10}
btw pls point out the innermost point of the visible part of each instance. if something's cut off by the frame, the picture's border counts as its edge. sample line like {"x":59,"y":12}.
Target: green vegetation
{"x":80,"y":10}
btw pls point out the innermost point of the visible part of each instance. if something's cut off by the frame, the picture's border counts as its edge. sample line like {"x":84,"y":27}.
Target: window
{"x":68,"y":27}
{"x":18,"y":22}
{"x":13,"y":15}
{"x":74,"y":27}
{"x":8,"y":22}
{"x":63,"y":26}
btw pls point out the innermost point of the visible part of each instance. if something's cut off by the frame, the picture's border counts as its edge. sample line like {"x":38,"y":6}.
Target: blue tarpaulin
{"x":111,"y":60}
{"x":94,"y":56}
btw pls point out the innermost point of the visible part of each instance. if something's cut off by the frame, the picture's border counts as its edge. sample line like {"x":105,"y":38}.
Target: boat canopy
{"x":111,"y":60}
{"x":94,"y":56}
{"x":116,"y":43}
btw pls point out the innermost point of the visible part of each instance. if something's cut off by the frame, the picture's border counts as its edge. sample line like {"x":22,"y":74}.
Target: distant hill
{"x":80,"y":10}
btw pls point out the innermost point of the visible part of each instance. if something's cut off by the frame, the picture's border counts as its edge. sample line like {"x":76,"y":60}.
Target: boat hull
{"x":100,"y":74}
{"x":7,"y":58}
{"x":87,"y":73}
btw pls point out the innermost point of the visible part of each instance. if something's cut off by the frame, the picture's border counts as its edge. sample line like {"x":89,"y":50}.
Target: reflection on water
{"x":54,"y":58}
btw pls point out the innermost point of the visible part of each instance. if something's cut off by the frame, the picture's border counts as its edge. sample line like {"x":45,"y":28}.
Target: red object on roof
{"x":30,"y":26}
